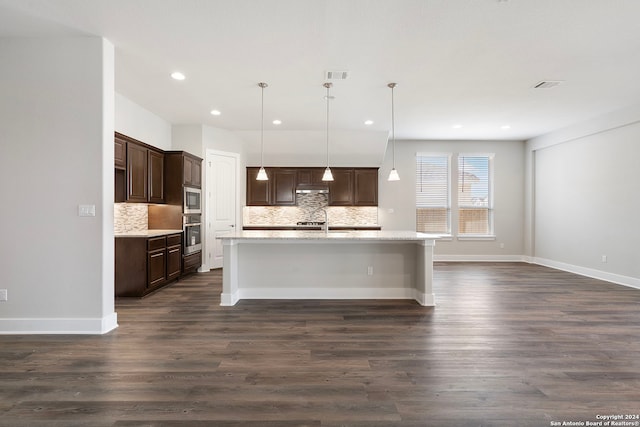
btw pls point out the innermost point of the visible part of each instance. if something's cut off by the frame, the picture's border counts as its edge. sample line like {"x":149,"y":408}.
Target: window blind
{"x":474,"y":195}
{"x":433,"y":207}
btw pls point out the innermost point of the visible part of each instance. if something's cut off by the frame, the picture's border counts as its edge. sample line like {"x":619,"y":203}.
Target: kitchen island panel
{"x":349,"y":265}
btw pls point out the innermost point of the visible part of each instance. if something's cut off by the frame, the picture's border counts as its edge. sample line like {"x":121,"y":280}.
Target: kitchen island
{"x":328,"y":265}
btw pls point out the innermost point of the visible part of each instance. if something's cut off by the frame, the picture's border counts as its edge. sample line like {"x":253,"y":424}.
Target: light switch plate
{"x":86,"y":210}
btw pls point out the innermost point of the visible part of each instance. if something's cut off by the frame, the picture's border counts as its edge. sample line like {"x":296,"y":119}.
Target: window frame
{"x":449,"y":191}
{"x":490,"y":195}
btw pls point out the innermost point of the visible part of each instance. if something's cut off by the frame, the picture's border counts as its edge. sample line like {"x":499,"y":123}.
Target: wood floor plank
{"x":508,"y":344}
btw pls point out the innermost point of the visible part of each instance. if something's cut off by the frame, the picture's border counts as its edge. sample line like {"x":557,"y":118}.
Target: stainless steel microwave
{"x":192,"y":200}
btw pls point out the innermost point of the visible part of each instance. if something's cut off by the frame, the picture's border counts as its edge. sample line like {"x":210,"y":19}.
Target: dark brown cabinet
{"x":143,"y":265}
{"x":120,"y":153}
{"x":181,"y":169}
{"x":155,"y":177}
{"x":174,"y":256}
{"x":258,"y":192}
{"x":141,"y":180}
{"x":365,"y":192}
{"x":137,"y":173}
{"x":192,"y":167}
{"x":354,"y":187}
{"x":190,"y":263}
{"x":284,"y":187}
{"x":310,"y":176}
{"x":341,"y":188}
{"x":350,"y":187}
{"x":278,"y":190}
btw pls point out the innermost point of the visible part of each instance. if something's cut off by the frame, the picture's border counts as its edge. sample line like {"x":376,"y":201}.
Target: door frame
{"x":209,"y":184}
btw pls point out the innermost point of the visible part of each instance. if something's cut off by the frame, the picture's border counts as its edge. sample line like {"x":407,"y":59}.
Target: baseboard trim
{"x":618,"y":279}
{"x":79,"y":326}
{"x":479,"y":258}
{"x":335,"y":293}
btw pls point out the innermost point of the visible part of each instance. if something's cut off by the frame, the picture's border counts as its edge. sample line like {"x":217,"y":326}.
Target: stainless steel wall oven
{"x":191,"y":226}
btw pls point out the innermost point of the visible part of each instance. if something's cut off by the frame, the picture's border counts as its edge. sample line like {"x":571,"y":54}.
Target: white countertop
{"x":296,"y":235}
{"x":147,"y":233}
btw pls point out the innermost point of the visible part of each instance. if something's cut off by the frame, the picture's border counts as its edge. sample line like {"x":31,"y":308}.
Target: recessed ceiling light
{"x":277,"y":122}
{"x":177,"y":75}
{"x":457,"y":126}
{"x":215,"y":113}
{"x":505,"y":127}
{"x":368,"y":122}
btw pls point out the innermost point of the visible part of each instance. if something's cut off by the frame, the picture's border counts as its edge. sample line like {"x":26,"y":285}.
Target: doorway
{"x":222,"y":202}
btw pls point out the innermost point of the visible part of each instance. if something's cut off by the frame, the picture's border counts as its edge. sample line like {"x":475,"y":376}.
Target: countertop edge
{"x":147,"y":233}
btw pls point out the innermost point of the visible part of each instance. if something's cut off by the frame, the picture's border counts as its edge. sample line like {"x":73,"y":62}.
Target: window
{"x":433,"y":206}
{"x":475,"y":204}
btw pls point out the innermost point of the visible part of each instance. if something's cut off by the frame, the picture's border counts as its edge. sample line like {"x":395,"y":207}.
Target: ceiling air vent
{"x":336,"y":75}
{"x":546,"y":84}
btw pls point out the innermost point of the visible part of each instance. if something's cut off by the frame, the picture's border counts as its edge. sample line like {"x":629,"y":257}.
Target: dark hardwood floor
{"x":508,"y":344}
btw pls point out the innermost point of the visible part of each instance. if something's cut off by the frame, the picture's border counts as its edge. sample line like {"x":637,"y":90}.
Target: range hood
{"x":312,"y":188}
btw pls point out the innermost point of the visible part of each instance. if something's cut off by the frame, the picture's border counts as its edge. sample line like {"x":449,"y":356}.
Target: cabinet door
{"x":284,"y":187}
{"x":196,"y":173}
{"x":137,"y":173}
{"x":366,"y":187}
{"x":310,"y":176}
{"x":156,"y":267}
{"x":120,"y":153}
{"x":174,"y":262}
{"x":258,"y":192}
{"x":192,"y":170}
{"x":156,"y":177}
{"x":187,"y":170}
{"x":341,"y":188}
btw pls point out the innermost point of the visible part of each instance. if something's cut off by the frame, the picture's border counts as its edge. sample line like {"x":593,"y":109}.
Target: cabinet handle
{"x":157,"y":255}
{"x":174,"y":250}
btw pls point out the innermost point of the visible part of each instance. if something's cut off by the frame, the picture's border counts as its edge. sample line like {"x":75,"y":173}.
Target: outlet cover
{"x":3,"y":295}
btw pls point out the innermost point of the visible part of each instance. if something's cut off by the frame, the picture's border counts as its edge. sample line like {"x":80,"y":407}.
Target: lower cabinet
{"x":191,"y":263}
{"x":146,"y":264}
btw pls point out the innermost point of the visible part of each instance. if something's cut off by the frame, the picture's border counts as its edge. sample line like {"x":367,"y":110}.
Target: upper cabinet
{"x":145,"y":174}
{"x":365,"y":191}
{"x":258,"y":192}
{"x":192,"y":175}
{"x":341,"y":188}
{"x":278,"y":190}
{"x":182,"y":169}
{"x":139,"y":171}
{"x":284,"y":187}
{"x":351,"y":186}
{"x":120,"y":153}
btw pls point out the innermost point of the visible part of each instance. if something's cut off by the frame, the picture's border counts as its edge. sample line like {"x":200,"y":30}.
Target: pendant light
{"x":262,"y":174}
{"x":328,"y":176}
{"x":393,"y":175}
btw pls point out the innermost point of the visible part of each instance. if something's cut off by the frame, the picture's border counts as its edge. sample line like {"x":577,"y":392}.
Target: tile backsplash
{"x":310,"y":208}
{"x":130,"y":217}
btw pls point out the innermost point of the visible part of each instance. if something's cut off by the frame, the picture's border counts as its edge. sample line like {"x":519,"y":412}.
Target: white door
{"x":221,"y":201}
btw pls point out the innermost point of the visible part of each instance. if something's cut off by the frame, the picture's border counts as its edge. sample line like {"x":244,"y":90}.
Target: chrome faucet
{"x":326,"y":221}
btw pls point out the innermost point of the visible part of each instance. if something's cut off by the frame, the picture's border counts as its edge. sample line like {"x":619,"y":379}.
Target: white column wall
{"x":56,"y":116}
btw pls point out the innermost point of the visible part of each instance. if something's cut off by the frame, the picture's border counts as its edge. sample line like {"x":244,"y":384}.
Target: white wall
{"x":399,"y":196}
{"x":586,"y":197}
{"x":137,"y":122}
{"x":56,"y":116}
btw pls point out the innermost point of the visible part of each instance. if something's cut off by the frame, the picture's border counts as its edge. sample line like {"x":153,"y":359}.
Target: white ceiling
{"x":466,"y":62}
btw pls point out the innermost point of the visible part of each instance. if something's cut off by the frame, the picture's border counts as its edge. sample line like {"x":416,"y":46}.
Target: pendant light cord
{"x":393,"y":126}
{"x":262,"y":86}
{"x":328,"y":85}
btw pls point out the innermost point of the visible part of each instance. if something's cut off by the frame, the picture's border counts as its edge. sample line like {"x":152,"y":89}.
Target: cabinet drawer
{"x":156,"y":243}
{"x":174,"y":240}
